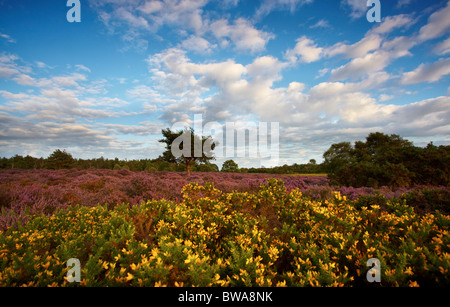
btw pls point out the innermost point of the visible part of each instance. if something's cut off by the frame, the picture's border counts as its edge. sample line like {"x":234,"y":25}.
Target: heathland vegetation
{"x":150,"y":223}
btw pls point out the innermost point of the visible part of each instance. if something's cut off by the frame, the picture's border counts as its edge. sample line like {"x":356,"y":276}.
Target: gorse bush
{"x":27,"y":192}
{"x":273,"y":237}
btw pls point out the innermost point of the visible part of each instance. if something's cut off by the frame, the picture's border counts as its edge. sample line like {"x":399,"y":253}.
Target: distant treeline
{"x":382,"y":160}
{"x":387,"y":160}
{"x":60,"y":159}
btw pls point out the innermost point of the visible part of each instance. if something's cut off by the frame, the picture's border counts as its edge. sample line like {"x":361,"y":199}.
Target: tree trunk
{"x":188,"y":167}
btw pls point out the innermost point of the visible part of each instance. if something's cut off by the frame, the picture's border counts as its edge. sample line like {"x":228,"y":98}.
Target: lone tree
{"x":184,"y":146}
{"x":60,"y":160}
{"x":230,"y":166}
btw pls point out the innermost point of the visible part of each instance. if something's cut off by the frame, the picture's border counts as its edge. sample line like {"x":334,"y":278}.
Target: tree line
{"x":61,"y":159}
{"x":387,"y":160}
{"x":382,"y":160}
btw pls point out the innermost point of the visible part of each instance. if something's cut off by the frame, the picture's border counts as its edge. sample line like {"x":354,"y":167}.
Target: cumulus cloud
{"x":358,"y":49}
{"x":305,"y":51}
{"x":427,"y":72}
{"x":151,"y":15}
{"x":198,"y":44}
{"x":15,"y":132}
{"x":228,"y":91}
{"x":250,"y":89}
{"x":438,"y":24}
{"x":356,"y":99}
{"x":375,"y":61}
{"x":243,"y":35}
{"x":393,"y":22}
{"x":8,"y":65}
{"x":358,"y":7}
{"x":443,"y":47}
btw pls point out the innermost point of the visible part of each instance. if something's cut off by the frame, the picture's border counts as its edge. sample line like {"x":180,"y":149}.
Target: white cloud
{"x":438,"y":24}
{"x":358,"y":49}
{"x":358,"y":7}
{"x":25,"y":80}
{"x":353,"y":102}
{"x":265,"y":68}
{"x":151,"y":15}
{"x":70,"y":80}
{"x":151,"y":7}
{"x":267,"y":6}
{"x":443,"y":47}
{"x":321,"y":24}
{"x":82,"y":67}
{"x":19,"y":133}
{"x":362,"y":66}
{"x":226,"y":91}
{"x":427,"y":72}
{"x":40,"y":64}
{"x":198,"y":44}
{"x":132,"y":20}
{"x":243,"y":35}
{"x":8,"y":67}
{"x":393,"y":22}
{"x":385,"y":97}
{"x":376,"y":61}
{"x":424,"y":118}
{"x":322,"y":73}
{"x":142,"y":129}
{"x":305,"y":51}
{"x":8,"y":38}
{"x":402,"y":3}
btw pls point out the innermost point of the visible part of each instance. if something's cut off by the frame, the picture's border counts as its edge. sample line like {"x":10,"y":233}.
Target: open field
{"x":217,"y":229}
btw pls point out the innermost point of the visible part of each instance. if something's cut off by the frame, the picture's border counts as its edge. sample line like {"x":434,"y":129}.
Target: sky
{"x":107,"y":85}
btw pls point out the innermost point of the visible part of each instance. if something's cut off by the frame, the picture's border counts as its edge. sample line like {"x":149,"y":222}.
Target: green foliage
{"x":387,"y":160}
{"x":211,"y":238}
{"x":60,"y":160}
{"x":230,"y":166}
{"x":194,"y":149}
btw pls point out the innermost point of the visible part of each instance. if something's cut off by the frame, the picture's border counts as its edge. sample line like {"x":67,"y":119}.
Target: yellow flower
{"x":129,"y":277}
{"x":413,"y":284}
{"x":159,"y":284}
{"x":45,"y":266}
{"x":408,"y":271}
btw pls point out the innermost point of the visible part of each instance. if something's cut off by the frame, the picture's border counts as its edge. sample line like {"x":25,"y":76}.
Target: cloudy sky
{"x":107,"y":85}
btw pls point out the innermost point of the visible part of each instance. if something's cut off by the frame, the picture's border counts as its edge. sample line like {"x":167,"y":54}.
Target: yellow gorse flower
{"x":210,"y":238}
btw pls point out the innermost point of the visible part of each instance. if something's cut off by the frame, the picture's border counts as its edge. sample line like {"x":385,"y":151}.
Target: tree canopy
{"x":184,"y":146}
{"x":230,"y":166}
{"x":387,"y":160}
{"x":60,"y":160}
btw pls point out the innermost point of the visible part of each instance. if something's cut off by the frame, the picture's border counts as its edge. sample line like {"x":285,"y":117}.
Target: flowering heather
{"x":27,"y":192}
{"x":272,"y":237}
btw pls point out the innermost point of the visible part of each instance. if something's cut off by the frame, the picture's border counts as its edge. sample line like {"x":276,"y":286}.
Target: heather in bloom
{"x":27,"y":192}
{"x":272,"y":236}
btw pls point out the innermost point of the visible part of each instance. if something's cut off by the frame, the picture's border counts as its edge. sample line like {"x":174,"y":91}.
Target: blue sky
{"x":107,"y":85}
